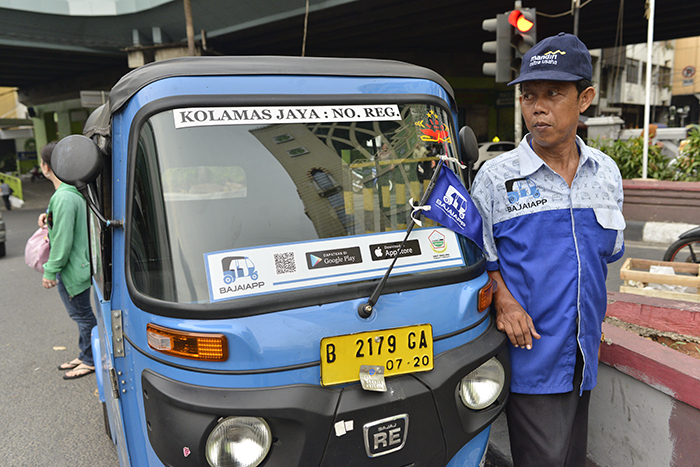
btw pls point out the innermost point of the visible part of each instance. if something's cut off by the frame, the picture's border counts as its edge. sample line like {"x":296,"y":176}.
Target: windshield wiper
{"x":365,"y":309}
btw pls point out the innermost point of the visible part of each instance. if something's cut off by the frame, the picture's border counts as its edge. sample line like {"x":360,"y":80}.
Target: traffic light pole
{"x":518,"y":124}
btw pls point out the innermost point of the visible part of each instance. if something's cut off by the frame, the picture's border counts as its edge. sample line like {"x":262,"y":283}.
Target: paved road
{"x":44,"y":420}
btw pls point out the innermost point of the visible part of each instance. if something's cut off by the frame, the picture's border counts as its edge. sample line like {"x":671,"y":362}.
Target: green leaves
{"x":628,"y":157}
{"x":687,"y":164}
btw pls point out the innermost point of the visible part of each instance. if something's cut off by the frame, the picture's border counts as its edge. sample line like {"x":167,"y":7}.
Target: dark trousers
{"x":79,"y":308}
{"x":8,"y":204}
{"x":549,"y":430}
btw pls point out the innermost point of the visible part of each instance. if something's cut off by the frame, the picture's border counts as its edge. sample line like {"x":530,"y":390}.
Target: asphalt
{"x":36,"y":196}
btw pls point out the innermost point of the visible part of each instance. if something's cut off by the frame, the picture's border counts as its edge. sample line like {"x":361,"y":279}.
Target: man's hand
{"x":511,"y":318}
{"x":42,"y":220}
{"x":48,"y":284}
{"x":517,"y":324}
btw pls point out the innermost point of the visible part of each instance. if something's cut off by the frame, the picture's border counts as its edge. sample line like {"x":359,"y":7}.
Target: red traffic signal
{"x":524,"y":32}
{"x":519,"y":21}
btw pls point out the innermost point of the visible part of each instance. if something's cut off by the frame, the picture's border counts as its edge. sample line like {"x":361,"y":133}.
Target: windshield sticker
{"x":434,"y":131}
{"x":277,"y":268}
{"x":384,"y":251}
{"x":208,"y":116}
{"x":330,"y":258}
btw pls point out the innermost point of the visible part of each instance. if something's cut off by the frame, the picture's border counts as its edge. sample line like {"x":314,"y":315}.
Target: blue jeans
{"x":80,"y":310}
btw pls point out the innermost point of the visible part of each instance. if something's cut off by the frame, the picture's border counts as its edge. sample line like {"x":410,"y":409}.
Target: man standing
{"x":552,"y":216}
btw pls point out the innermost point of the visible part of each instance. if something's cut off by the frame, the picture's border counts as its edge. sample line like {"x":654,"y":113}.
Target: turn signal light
{"x":192,"y":345}
{"x":486,"y":295}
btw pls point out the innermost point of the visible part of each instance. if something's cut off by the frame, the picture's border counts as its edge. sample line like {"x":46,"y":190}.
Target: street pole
{"x":647,"y":98}
{"x":190,"y":27}
{"x":306,"y":25}
{"x":575,"y":6}
{"x":518,"y":116}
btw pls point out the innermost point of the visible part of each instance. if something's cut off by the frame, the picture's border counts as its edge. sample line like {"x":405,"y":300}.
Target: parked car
{"x":2,"y":237}
{"x":488,"y":151}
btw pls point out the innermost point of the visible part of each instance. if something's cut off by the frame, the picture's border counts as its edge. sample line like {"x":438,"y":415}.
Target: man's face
{"x":551,"y":110}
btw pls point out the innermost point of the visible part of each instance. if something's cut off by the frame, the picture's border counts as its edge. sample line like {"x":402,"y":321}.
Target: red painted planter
{"x":661,"y":201}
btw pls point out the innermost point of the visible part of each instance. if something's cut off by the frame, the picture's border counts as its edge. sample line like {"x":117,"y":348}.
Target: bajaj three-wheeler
{"x":245,"y":215}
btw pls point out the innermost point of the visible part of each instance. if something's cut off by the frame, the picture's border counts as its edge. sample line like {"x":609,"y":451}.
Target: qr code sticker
{"x":284,"y":263}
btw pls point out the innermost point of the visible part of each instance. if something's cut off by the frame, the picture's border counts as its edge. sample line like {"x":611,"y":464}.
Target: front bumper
{"x":303,"y":418}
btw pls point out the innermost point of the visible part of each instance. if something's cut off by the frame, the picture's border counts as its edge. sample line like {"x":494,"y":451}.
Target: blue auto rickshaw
{"x":196,"y":161}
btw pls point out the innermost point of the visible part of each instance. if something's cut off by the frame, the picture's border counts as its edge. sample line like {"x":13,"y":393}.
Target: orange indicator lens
{"x":192,"y":345}
{"x":486,"y":295}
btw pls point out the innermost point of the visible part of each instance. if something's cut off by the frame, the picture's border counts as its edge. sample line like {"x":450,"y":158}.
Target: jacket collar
{"x":530,"y":162}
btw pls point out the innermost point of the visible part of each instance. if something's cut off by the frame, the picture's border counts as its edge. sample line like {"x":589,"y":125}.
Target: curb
{"x":498,"y":453}
{"x":655,"y":232}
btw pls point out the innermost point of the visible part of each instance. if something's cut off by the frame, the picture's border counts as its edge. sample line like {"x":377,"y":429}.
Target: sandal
{"x":79,"y":371}
{"x":70,"y":365}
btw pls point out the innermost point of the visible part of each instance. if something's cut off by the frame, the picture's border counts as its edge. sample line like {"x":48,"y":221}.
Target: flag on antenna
{"x":450,"y":205}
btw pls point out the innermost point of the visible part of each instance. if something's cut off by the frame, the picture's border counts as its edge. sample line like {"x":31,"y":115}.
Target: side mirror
{"x":469,"y":146}
{"x":76,"y":160}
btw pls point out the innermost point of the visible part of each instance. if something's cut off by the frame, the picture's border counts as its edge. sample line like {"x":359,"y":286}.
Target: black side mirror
{"x":468,"y":145}
{"x":470,"y":152}
{"x":76,"y":160}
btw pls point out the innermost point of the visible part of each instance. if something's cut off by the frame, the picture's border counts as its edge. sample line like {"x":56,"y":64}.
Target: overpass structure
{"x":52,"y":50}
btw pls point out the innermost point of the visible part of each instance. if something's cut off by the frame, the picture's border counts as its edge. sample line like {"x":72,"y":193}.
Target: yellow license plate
{"x":400,"y":350}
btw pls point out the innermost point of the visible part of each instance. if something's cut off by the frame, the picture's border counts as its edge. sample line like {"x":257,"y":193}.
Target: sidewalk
{"x":36,"y":194}
{"x":655,"y":232}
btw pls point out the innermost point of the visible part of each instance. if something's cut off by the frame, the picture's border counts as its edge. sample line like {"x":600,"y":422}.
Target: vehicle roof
{"x":131,"y":83}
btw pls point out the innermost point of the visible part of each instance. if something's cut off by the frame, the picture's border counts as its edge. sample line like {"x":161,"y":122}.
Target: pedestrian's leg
{"x":80,"y":310}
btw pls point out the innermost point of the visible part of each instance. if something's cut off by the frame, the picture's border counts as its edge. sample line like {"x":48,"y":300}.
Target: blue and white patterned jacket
{"x":552,"y":245}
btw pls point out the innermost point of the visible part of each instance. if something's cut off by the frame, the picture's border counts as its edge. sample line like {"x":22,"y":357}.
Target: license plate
{"x":400,"y":350}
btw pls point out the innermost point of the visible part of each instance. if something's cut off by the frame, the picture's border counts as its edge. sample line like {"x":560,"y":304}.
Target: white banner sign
{"x":278,"y":268}
{"x":207,"y":116}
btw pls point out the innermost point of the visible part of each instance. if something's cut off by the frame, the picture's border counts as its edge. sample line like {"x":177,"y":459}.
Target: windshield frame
{"x":313,"y":296}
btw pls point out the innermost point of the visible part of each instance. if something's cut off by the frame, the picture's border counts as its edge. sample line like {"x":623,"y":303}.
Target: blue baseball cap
{"x":557,"y":58}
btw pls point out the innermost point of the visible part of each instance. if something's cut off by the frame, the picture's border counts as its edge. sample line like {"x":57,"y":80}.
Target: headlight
{"x":239,"y":442}
{"x":481,"y":387}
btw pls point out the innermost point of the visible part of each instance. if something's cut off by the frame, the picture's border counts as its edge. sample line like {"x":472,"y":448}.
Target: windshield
{"x":226,"y":181}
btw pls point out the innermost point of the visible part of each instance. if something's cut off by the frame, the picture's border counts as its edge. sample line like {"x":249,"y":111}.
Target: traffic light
{"x":524,"y":33}
{"x":500,"y":47}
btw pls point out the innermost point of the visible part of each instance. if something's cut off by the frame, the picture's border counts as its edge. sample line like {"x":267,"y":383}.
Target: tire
{"x":685,"y":250}
{"x":2,"y":249}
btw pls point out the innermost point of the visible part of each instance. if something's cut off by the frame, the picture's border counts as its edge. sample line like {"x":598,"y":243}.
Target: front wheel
{"x":685,"y":250}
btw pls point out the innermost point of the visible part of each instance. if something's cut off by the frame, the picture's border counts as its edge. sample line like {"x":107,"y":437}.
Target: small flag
{"x":450,"y":205}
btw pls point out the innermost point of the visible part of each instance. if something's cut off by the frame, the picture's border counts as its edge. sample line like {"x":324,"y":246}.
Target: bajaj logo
{"x":386,"y":435}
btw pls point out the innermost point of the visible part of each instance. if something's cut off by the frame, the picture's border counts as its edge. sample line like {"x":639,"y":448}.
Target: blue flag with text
{"x":451,"y":206}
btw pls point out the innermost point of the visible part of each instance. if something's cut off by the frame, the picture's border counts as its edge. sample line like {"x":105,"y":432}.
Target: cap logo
{"x":548,"y":58}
